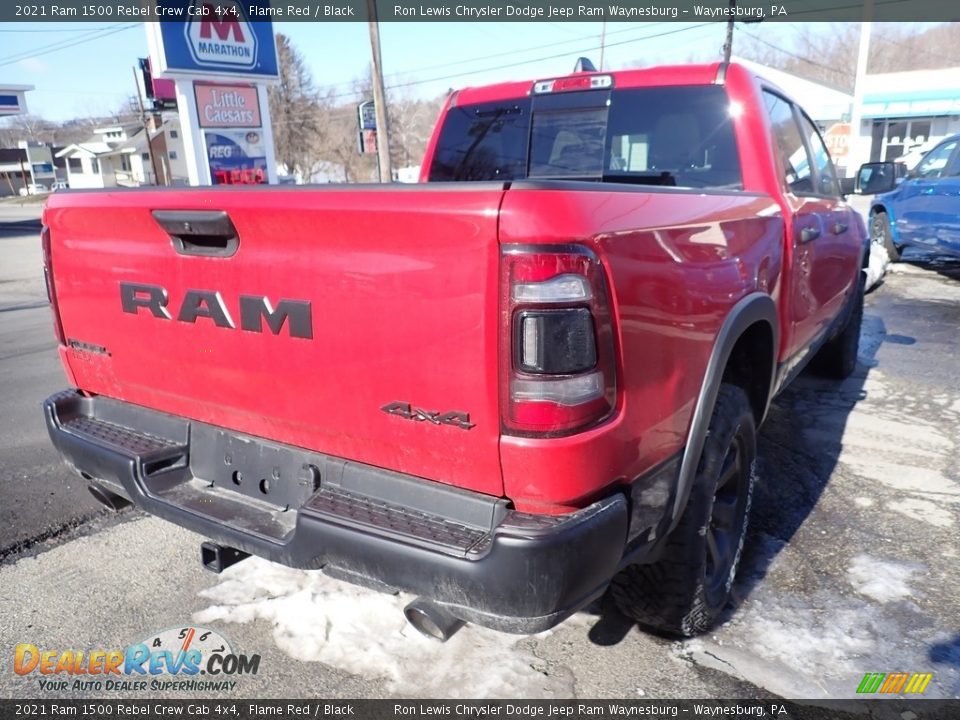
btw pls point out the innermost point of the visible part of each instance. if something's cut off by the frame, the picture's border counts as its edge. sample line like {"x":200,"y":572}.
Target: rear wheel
{"x":686,"y":590}
{"x":881,"y":234}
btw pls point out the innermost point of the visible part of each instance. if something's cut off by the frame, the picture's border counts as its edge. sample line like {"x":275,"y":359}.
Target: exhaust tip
{"x":431,"y":620}
{"x":108,"y":499}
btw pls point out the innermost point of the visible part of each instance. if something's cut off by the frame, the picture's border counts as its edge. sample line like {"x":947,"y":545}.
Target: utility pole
{"x":146,"y":129}
{"x":728,"y":44}
{"x":603,"y":42}
{"x":379,"y":97}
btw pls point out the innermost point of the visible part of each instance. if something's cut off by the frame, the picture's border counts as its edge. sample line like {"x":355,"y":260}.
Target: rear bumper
{"x":486,"y":563}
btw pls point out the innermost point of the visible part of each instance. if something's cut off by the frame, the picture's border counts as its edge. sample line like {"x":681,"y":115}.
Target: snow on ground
{"x":818,"y":640}
{"x":316,"y":618}
{"x":879,"y":260}
{"x":881,"y":580}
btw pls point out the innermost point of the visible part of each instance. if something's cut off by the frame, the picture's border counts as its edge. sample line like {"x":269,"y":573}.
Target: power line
{"x":63,"y":45}
{"x":526,"y":62}
{"x":494,"y":55}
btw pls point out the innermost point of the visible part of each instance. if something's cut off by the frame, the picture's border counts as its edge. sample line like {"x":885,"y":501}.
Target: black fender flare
{"x":753,"y":308}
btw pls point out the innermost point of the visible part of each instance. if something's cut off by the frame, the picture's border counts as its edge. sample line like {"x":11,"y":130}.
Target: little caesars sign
{"x":227,"y":106}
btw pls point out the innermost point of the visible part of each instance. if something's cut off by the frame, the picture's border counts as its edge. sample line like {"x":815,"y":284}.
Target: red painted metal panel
{"x":403,"y":288}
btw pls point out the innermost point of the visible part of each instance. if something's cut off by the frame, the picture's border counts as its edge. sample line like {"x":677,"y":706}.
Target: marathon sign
{"x":215,"y":39}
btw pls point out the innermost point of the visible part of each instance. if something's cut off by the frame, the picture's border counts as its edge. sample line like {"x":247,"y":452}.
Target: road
{"x":849,"y":568}
{"x":40,"y":500}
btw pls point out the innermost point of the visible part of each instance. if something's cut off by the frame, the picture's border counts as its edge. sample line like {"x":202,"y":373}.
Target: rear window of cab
{"x":677,"y":136}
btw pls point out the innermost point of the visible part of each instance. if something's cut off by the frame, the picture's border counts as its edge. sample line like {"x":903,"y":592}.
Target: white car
{"x":33,"y":189}
{"x":915,"y":154}
{"x":59,"y":185}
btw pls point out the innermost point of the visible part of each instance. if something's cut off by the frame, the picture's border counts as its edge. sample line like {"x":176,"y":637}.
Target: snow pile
{"x":878,"y":265}
{"x":880,"y":580}
{"x":360,"y":631}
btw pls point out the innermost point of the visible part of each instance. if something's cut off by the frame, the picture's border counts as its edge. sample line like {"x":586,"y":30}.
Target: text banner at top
{"x":489,"y":11}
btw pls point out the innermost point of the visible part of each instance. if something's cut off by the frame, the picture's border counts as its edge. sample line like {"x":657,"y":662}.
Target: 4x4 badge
{"x":409,"y":412}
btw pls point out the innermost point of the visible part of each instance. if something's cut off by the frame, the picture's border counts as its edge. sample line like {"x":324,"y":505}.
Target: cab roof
{"x":697,"y":74}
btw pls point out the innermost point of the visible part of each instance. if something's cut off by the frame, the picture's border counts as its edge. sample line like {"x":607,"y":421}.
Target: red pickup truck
{"x":535,"y":376}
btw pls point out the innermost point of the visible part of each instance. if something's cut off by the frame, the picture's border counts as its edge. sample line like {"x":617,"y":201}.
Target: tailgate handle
{"x":209,"y":233}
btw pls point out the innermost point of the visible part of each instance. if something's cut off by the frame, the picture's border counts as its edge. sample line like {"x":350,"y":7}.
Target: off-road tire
{"x":838,"y":357}
{"x":880,"y":233}
{"x":685,"y":592}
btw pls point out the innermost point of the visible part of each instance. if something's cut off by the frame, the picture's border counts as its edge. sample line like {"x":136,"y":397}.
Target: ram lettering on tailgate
{"x":254,"y":309}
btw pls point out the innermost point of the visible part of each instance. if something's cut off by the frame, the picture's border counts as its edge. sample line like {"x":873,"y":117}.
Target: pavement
{"x":849,"y":567}
{"x":40,"y":498}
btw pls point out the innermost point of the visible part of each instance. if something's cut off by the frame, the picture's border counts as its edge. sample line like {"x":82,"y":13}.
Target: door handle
{"x":809,"y":234}
{"x":209,"y":233}
{"x":927,"y":191}
{"x":838,"y":228}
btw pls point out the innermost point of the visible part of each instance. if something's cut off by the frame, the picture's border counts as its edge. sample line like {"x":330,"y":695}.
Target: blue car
{"x":920,"y":209}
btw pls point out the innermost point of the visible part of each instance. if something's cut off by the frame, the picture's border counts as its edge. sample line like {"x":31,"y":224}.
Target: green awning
{"x":938,"y":101}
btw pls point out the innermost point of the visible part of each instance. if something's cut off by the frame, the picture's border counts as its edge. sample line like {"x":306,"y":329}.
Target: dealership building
{"x":904,"y":111}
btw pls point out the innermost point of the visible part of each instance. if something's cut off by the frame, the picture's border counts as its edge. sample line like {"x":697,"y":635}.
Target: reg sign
{"x":215,"y":38}
{"x":236,"y":157}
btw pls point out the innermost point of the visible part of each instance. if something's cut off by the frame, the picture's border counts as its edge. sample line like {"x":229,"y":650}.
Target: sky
{"x":84,"y":69}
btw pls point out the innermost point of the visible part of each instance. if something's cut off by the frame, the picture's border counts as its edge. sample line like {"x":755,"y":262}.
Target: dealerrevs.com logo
{"x":189,"y":659}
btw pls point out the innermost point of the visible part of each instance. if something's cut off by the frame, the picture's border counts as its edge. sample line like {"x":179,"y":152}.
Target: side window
{"x":826,"y":176}
{"x":789,"y":141}
{"x":933,"y":165}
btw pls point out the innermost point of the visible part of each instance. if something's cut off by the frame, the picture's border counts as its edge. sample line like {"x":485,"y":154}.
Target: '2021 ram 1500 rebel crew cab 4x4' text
{"x":533,"y":377}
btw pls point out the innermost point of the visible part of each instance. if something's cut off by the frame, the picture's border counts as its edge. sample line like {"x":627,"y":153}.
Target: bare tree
{"x":828,"y":53}
{"x":339,"y":148}
{"x":411,"y":125}
{"x":294,"y":105}
{"x":27,"y":127}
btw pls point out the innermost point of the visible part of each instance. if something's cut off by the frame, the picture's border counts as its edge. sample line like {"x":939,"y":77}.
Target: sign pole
{"x":146,"y":130}
{"x":198,"y":170}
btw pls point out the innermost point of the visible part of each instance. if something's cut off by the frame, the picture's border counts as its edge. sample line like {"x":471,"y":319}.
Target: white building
{"x":903,"y":111}
{"x":119,"y":156}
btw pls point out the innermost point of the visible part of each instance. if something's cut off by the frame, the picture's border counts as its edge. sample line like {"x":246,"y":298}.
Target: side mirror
{"x":878,"y":177}
{"x":847,"y":185}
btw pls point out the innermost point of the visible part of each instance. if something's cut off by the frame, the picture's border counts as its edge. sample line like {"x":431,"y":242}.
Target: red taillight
{"x":48,"y":279}
{"x":558,"y":368}
{"x":574,"y":82}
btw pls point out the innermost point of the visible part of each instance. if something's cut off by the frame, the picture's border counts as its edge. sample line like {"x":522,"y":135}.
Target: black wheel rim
{"x":727,"y":516}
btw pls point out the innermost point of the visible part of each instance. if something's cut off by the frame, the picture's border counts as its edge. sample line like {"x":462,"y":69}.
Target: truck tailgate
{"x":391,"y":302}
